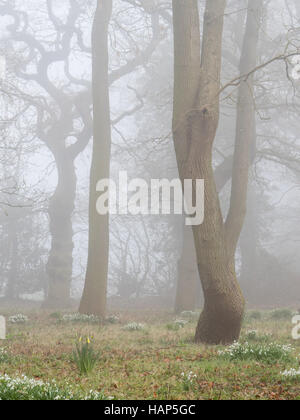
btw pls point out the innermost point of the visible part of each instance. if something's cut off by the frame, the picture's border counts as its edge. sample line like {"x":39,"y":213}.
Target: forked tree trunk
{"x":196,"y":117}
{"x":188,"y":293}
{"x":221,"y":319}
{"x":195,"y":121}
{"x":95,"y":289}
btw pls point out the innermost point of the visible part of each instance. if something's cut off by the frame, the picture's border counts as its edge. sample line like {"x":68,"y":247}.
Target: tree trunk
{"x":221,"y":319}
{"x":249,"y":245}
{"x":95,"y":289}
{"x":195,"y":121}
{"x":60,"y":263}
{"x":11,"y":291}
{"x":187,"y":292}
{"x":245,"y":139}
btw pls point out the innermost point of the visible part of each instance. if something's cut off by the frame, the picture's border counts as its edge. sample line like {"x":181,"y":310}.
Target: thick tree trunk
{"x":188,"y":293}
{"x":195,"y":121}
{"x":223,"y":311}
{"x":95,"y":290}
{"x":60,"y":263}
{"x":220,"y":321}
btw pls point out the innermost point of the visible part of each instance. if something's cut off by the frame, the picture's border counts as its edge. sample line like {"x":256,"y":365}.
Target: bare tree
{"x":57,"y":113}
{"x":196,"y":117}
{"x":95,"y":289}
{"x":94,"y":294}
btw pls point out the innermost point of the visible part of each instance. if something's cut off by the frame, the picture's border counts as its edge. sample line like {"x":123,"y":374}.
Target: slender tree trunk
{"x":95,"y":290}
{"x":60,"y":263}
{"x":12,"y":281}
{"x":187,"y":292}
{"x":245,"y":139}
{"x":249,"y":245}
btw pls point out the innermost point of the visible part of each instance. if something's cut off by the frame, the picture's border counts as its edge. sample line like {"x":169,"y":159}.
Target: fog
{"x":55,"y":250}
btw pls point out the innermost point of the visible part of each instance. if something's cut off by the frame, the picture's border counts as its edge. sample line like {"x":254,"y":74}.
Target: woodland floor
{"x":148,"y":364}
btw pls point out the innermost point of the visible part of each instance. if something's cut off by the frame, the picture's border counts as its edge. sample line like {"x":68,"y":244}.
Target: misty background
{"x":45,"y":141}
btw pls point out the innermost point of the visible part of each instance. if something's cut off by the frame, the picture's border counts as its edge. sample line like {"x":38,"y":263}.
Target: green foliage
{"x":255,"y":315}
{"x":254,"y":336}
{"x":189,"y":380}
{"x":26,"y":389}
{"x":134,"y":326}
{"x":281,"y":314}
{"x":190,"y":315}
{"x":4,"y":355}
{"x":149,"y":364}
{"x":177,"y":325}
{"x":18,"y":319}
{"x":251,"y":335}
{"x":81,"y":318}
{"x":265,"y":353}
{"x":85,"y":356}
{"x":291,"y":375}
{"x":173,"y":327}
{"x":112,"y":319}
{"x":56,"y":315}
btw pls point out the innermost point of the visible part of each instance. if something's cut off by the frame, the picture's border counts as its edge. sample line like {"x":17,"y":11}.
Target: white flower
{"x":259,"y":352}
{"x":134,"y":326}
{"x":113,"y":319}
{"x":180,"y":322}
{"x":292,"y":373}
{"x":80,"y":318}
{"x":3,"y":354}
{"x":32,"y":389}
{"x":18,"y":319}
{"x":190,"y":377}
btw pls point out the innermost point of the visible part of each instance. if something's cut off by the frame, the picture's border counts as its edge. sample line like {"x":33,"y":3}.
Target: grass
{"x":150,"y":363}
{"x":84,"y":355}
{"x":281,"y":314}
{"x":268,"y":353}
{"x":28,"y":389}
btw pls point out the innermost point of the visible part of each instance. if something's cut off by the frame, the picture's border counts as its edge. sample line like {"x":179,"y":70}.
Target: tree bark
{"x":11,"y":291}
{"x":249,"y":246}
{"x":60,"y":262}
{"x":245,"y":139}
{"x":95,"y":289}
{"x":195,"y":121}
{"x":187,"y":291}
{"x":187,"y":287}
